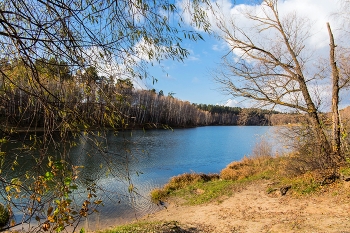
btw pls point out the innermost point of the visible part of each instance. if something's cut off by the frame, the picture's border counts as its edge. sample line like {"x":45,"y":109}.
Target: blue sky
{"x":192,"y":80}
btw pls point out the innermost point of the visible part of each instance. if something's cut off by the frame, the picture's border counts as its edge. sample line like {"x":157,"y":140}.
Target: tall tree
{"x":335,"y":95}
{"x":269,"y":63}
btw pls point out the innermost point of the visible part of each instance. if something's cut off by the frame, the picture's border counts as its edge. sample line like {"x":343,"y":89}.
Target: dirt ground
{"x":253,"y":210}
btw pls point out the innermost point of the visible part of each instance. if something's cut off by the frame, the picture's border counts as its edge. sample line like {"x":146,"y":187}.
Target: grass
{"x":308,"y":183}
{"x":203,"y":192}
{"x":150,"y":227}
{"x":183,"y":181}
{"x":200,"y":188}
{"x":345,"y":171}
{"x":135,"y":227}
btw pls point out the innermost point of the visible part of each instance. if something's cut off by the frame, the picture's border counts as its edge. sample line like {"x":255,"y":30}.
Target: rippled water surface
{"x":150,"y":158}
{"x":156,"y":155}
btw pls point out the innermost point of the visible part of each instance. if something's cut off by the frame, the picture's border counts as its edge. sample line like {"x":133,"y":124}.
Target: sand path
{"x":253,"y":210}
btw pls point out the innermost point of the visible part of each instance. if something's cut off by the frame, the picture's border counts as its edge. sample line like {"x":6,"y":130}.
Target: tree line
{"x":96,"y":98}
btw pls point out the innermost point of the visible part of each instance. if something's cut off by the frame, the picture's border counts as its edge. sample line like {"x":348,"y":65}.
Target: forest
{"x":94,"y":96}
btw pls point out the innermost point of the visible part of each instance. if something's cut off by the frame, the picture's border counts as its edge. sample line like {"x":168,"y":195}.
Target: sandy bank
{"x":253,"y":210}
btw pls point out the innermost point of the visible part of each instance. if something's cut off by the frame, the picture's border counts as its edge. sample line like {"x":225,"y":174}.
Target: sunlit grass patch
{"x":345,"y":171}
{"x":312,"y":182}
{"x":146,"y":227}
{"x":179,"y":182}
{"x":200,"y":192}
{"x":307,"y":183}
{"x":262,"y":163}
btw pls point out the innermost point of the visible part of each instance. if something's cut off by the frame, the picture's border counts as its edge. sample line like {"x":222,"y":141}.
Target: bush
{"x":307,"y":154}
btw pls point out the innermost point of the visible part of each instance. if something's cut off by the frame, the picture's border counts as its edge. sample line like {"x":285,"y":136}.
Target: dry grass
{"x":250,"y":167}
{"x":262,"y":160}
{"x":238,"y":170}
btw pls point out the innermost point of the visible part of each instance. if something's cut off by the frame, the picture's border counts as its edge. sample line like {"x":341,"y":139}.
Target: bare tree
{"x":269,"y":63}
{"x":335,"y":95}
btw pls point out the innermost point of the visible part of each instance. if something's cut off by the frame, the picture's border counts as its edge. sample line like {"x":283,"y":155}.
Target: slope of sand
{"x":253,"y":210}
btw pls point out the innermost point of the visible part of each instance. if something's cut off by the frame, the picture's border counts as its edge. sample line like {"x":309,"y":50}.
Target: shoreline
{"x":252,"y":209}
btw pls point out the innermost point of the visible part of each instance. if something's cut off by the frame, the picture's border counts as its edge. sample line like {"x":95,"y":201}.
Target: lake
{"x":156,"y":155}
{"x":149,"y":158}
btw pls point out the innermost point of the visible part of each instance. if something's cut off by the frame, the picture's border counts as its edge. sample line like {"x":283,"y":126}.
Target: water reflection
{"x":147,"y":160}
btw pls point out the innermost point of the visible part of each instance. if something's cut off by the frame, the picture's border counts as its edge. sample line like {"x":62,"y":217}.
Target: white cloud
{"x":216,"y":47}
{"x":313,"y":13}
{"x":222,"y":46}
{"x":119,"y":67}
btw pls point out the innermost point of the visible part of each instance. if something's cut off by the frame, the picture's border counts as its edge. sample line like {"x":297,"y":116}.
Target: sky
{"x":193,"y":81}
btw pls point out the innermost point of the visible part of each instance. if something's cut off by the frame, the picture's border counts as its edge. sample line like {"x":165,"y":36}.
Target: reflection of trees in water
{"x":107,"y":169}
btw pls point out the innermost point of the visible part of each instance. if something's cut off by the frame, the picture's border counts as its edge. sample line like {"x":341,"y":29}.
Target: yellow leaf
{"x":50,"y":218}
{"x":98,"y":202}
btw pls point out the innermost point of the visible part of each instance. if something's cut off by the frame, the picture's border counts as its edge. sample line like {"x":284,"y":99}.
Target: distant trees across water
{"x":96,"y":99}
{"x":224,"y":115}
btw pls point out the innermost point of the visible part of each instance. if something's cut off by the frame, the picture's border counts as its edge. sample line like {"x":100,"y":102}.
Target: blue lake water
{"x":149,"y":158}
{"x":156,"y":155}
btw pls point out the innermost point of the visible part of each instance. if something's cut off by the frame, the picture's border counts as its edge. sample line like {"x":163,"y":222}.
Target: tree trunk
{"x":335,"y":97}
{"x":323,"y":143}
